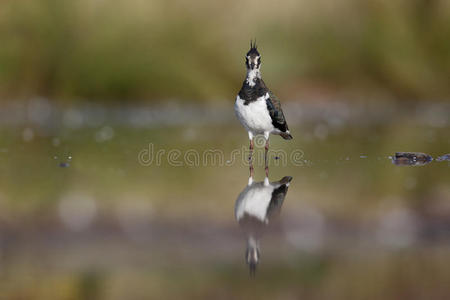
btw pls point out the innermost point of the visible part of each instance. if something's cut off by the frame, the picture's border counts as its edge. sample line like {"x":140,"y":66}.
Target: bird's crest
{"x":253,"y":45}
{"x":253,"y":49}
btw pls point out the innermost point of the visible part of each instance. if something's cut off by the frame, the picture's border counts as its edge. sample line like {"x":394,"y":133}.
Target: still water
{"x":145,"y":203}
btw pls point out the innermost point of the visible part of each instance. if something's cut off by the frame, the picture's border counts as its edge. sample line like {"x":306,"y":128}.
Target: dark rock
{"x":411,"y":159}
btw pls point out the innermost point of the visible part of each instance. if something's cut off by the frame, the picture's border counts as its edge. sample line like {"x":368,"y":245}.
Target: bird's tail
{"x":286,"y":135}
{"x":285,"y":180}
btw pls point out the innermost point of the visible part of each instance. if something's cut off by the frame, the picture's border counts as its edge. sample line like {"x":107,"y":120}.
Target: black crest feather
{"x":253,"y":48}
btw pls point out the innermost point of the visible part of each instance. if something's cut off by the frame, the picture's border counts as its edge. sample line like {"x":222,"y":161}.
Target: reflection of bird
{"x":256,"y":106}
{"x":254,"y":207}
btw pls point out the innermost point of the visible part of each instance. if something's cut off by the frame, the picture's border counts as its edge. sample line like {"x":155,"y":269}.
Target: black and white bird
{"x":255,"y":206}
{"x":257,"y":108}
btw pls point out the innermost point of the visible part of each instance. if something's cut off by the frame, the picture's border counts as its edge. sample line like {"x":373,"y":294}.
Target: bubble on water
{"x":28,"y":134}
{"x":55,"y":157}
{"x":104,"y":134}
{"x":77,"y":211}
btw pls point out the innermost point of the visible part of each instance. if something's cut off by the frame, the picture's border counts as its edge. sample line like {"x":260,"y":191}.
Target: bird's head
{"x":253,"y":58}
{"x":252,"y":255}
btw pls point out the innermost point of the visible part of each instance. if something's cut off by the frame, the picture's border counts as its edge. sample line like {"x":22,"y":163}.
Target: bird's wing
{"x":276,"y":200}
{"x":276,"y":113}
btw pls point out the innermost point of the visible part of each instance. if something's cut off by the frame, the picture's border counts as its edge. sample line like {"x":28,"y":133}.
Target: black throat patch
{"x":251,"y":93}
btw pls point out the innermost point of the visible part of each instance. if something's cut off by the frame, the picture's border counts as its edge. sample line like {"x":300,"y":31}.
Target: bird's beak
{"x":252,"y":66}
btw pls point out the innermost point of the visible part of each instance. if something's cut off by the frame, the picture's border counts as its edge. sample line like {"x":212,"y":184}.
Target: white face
{"x":253,"y":62}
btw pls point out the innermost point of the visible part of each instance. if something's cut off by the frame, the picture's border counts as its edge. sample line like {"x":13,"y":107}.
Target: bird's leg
{"x":250,"y":158}
{"x":266,"y":160}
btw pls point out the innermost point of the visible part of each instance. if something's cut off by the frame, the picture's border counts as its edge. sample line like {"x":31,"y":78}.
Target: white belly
{"x":254,"y":116}
{"x":254,"y":202}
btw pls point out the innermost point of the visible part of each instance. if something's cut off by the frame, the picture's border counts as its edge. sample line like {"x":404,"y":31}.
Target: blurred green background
{"x":155,"y":50}
{"x":86,"y":85}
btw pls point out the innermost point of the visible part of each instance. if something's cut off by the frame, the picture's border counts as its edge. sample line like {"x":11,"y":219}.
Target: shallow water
{"x":113,"y":210}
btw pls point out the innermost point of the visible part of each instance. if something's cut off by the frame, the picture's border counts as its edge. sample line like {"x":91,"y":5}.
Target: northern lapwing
{"x":257,"y":108}
{"x":255,"y":206}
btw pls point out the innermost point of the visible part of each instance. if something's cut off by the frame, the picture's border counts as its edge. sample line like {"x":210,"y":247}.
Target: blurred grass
{"x":152,"y":50}
{"x":401,"y":275}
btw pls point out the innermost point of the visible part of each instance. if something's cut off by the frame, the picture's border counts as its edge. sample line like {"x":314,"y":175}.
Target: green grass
{"x":134,"y":50}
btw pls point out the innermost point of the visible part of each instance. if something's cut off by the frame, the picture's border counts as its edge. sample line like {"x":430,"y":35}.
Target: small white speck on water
{"x":347,"y":158}
{"x":363,"y":156}
{"x":69,"y":158}
{"x":55,"y":157}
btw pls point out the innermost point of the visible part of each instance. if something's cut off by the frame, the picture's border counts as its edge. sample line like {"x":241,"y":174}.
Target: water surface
{"x":85,"y":212}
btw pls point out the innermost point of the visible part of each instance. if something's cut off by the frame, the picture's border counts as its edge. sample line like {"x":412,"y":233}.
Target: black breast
{"x":251,"y":93}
